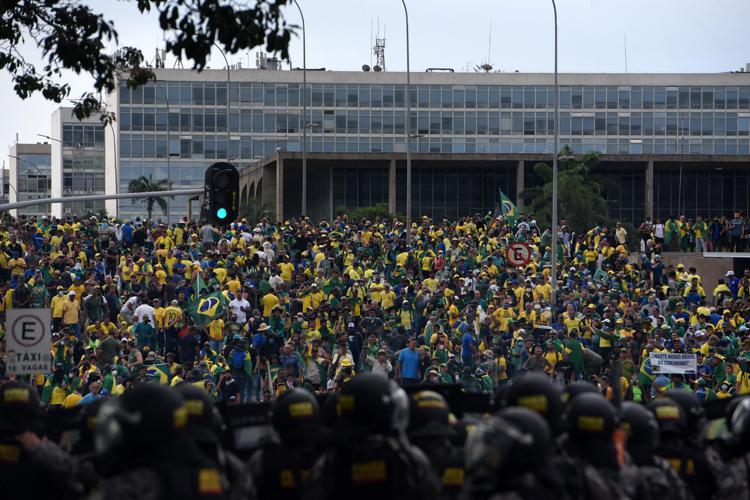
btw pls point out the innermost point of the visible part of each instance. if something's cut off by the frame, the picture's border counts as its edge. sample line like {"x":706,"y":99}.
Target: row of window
{"x":83,"y":135}
{"x":438,"y":96}
{"x":437,"y":122}
{"x":215,"y":147}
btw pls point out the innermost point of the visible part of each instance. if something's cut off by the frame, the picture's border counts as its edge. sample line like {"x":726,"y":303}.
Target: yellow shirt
{"x":71,"y":310}
{"x":387,"y":299}
{"x":216,"y":329}
{"x":71,"y":400}
{"x":56,"y":304}
{"x":269,"y":300}
{"x":743,"y":383}
{"x":171,"y":315}
{"x":287,"y":270}
{"x":234,"y":286}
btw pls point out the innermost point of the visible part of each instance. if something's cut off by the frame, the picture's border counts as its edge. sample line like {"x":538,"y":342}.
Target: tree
{"x":254,"y":210}
{"x":580,"y":192}
{"x":71,"y":36}
{"x":145,"y":184}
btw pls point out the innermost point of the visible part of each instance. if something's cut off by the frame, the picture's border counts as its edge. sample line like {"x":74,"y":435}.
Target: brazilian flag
{"x":159,"y":373}
{"x":198,"y":285}
{"x":508,"y":209}
{"x":206,"y":309}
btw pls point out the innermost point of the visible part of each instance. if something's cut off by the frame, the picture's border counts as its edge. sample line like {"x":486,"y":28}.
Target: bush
{"x":368,"y":213}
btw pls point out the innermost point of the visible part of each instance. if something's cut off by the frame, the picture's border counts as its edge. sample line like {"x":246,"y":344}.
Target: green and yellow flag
{"x":508,"y":209}
{"x":206,"y":309}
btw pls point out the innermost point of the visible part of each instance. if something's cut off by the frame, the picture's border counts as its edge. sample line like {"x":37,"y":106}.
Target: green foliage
{"x":379,"y":210}
{"x":71,"y":36}
{"x":145,"y":184}
{"x":254,"y":210}
{"x":580,"y":192}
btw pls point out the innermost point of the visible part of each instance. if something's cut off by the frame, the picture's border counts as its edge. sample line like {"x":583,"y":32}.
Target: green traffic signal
{"x":221,"y":213}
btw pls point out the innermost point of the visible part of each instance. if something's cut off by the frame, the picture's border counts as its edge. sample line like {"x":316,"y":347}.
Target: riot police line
{"x":373,"y":439}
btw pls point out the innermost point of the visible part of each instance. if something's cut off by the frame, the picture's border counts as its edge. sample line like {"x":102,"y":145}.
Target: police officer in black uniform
{"x":281,"y":468}
{"x":369,"y":456}
{"x":642,"y":433}
{"x":508,"y":457}
{"x":535,"y":392}
{"x":431,"y":431}
{"x":591,"y":421}
{"x":206,"y":427}
{"x":142,"y":441}
{"x":31,"y":467}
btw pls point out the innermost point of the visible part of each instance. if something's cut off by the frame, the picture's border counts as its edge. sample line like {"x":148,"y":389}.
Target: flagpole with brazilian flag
{"x":507,"y":209}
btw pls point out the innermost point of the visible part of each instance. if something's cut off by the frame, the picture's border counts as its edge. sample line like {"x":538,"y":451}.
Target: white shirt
{"x":129,"y":305}
{"x":275,"y":281}
{"x":144,"y":311}
{"x":659,"y":231}
{"x":236,"y":307}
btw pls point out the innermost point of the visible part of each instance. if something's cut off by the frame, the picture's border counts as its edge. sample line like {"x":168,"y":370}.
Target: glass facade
{"x":34,"y":173}
{"x":187,"y":122}
{"x":83,"y":166}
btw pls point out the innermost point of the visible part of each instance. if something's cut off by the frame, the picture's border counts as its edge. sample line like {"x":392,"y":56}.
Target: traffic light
{"x":221,"y":195}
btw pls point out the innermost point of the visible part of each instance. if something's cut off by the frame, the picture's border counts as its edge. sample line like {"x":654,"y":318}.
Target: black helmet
{"x":429,"y":415}
{"x":536,"y":446}
{"x":87,"y":422}
{"x":371,"y":403}
{"x":144,"y":418}
{"x":731,"y":407}
{"x":588,"y":416}
{"x":739,"y":423}
{"x":575,"y":388}
{"x":537,"y":392}
{"x":204,"y":420}
{"x":295,"y":411}
{"x":670,"y":416}
{"x":694,"y":411}
{"x":19,"y":408}
{"x":328,"y":414}
{"x":642,"y":431}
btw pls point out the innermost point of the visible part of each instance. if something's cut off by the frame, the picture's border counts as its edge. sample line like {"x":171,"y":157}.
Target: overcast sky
{"x":671,"y":36}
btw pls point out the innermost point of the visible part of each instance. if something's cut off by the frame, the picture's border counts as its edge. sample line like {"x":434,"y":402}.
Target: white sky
{"x":662,"y":36}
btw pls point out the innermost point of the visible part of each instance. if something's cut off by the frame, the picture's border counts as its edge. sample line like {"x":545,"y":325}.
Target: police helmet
{"x":575,"y":388}
{"x":537,"y":392}
{"x":731,"y":407}
{"x":328,"y":412}
{"x":534,"y":450}
{"x":589,"y":415}
{"x":670,"y":416}
{"x":205,"y":423}
{"x":740,"y":423}
{"x":429,"y":415}
{"x":144,"y":418}
{"x":295,"y":410}
{"x":19,"y":408}
{"x":642,"y":431}
{"x":696,"y":415}
{"x":369,"y":402}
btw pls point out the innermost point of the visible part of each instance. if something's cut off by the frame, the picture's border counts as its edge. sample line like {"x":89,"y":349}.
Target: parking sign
{"x":28,"y":341}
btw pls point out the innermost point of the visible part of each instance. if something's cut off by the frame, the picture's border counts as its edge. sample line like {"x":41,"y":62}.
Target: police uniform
{"x":41,"y":470}
{"x":369,"y":457}
{"x":144,"y":447}
{"x":281,"y":468}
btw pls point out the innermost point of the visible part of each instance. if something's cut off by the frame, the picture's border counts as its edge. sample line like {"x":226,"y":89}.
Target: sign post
{"x":28,"y":341}
{"x":519,"y":254}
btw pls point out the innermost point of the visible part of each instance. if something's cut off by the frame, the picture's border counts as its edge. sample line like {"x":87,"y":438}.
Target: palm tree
{"x":582,"y":193}
{"x":145,"y":184}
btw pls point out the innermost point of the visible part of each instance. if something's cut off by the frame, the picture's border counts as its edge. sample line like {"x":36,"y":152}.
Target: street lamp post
{"x":556,"y":147}
{"x":229,"y":105}
{"x":304,"y":113}
{"x":169,"y":153}
{"x":62,"y":165}
{"x":407,"y":127}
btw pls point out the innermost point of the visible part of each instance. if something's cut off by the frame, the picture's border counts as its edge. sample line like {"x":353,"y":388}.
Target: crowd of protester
{"x":253,"y":310}
{"x":720,"y":234}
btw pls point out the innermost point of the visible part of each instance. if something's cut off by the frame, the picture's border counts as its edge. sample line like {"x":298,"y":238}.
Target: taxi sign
{"x":28,"y":341}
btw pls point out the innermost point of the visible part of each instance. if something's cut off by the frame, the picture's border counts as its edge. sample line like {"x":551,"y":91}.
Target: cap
{"x":71,"y":293}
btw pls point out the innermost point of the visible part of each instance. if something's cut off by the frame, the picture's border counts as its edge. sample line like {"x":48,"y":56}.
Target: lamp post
{"x":407,"y":127}
{"x":62,"y":166}
{"x":556,"y":147}
{"x":304,"y":113}
{"x":34,"y":167}
{"x":169,"y":153}
{"x":229,"y":106}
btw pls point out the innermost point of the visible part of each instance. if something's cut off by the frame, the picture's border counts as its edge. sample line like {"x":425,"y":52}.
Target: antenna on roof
{"x":379,"y":50}
{"x":625,"y":38}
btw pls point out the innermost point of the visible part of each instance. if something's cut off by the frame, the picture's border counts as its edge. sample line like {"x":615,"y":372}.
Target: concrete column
{"x":279,"y":209}
{"x":648,"y":189}
{"x":392,"y":186}
{"x":520,"y":183}
{"x":330,"y":194}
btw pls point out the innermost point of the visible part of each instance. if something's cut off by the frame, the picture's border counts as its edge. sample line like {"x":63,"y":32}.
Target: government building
{"x":672,"y":143}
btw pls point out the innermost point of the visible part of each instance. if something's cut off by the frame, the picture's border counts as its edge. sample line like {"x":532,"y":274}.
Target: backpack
{"x":237,"y":361}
